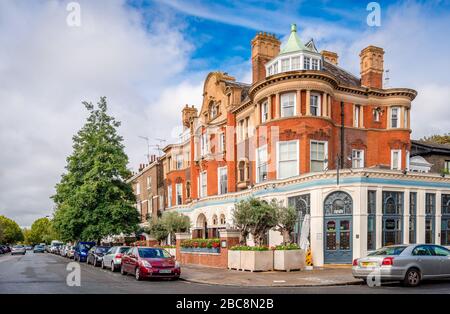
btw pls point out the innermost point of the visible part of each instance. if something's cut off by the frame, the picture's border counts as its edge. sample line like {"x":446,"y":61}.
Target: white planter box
{"x":234,"y":259}
{"x":289,"y":260}
{"x":257,"y":260}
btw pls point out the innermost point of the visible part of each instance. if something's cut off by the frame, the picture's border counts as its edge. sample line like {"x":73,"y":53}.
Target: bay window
{"x":357,"y":158}
{"x":261,"y":164}
{"x":319,"y":156}
{"x":264,"y":112}
{"x":295,"y":63}
{"x":284,"y":65}
{"x":306,"y":63}
{"x":223,"y":180}
{"x":394,"y":117}
{"x":203,"y":184}
{"x":288,"y":105}
{"x":169,"y":196}
{"x":396,"y":159}
{"x":179,"y":193}
{"x":315,"y":105}
{"x":287,"y":158}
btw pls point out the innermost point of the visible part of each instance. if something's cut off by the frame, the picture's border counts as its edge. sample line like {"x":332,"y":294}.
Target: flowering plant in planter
{"x":201,"y":243}
{"x":249,"y":248}
{"x":291,"y":246}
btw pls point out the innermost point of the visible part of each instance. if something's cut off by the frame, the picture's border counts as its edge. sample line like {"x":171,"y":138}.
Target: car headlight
{"x":146,"y":264}
{"x":83,"y":253}
{"x":177,"y":264}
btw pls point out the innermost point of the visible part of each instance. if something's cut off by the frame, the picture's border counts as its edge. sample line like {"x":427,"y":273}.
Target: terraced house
{"x":307,"y":132}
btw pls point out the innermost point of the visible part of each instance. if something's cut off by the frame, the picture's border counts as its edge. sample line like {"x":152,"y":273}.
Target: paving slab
{"x":319,"y":276}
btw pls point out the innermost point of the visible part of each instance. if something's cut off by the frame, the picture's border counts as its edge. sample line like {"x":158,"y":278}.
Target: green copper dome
{"x":294,"y":43}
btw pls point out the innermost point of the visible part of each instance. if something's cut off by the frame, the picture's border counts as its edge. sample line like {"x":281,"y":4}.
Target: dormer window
{"x":213,"y":110}
{"x":295,"y":56}
{"x":306,"y":63}
{"x":285,"y":65}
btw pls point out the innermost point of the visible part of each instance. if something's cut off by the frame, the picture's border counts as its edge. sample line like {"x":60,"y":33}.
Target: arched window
{"x":222,"y":219}
{"x":243,"y":170}
{"x":213,"y":110}
{"x":214,"y":220}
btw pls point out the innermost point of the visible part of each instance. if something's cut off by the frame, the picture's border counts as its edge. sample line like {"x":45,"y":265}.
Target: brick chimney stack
{"x":330,"y":56}
{"x":372,"y":67}
{"x":188,"y":114}
{"x":265,"y":47}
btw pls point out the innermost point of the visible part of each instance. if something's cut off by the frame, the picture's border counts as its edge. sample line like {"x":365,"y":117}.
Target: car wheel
{"x":122,"y":271}
{"x":412,"y":277}
{"x":137,"y":274}
{"x":113,"y":267}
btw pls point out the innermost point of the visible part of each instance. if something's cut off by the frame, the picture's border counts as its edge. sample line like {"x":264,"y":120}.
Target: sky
{"x":150,"y":58}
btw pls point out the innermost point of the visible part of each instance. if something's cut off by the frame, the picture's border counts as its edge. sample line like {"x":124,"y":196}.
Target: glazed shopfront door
{"x":338,"y":244}
{"x":338,"y":219}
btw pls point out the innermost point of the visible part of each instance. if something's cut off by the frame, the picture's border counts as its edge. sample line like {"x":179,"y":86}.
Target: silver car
{"x":113,"y":258}
{"x":407,"y":263}
{"x":18,"y":249}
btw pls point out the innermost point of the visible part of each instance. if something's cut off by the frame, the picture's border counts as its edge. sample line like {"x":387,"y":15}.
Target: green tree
{"x":93,"y":200}
{"x":11,"y":230}
{"x":286,"y":220}
{"x":158,"y":231}
{"x":437,"y":139}
{"x":175,"y":222}
{"x":41,"y":231}
{"x":257,"y":216}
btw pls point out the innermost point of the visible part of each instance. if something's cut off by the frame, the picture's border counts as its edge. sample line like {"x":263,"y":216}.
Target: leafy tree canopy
{"x":437,"y":139}
{"x":42,"y":231}
{"x":93,"y":199}
{"x":10,"y":230}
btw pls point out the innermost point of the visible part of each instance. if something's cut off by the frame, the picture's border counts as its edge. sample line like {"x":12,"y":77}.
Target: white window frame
{"x":399,"y":151}
{"x":259,"y":164}
{"x":275,"y":68}
{"x":407,"y":157}
{"x":219,"y":174}
{"x":447,"y":165}
{"x":284,"y":96}
{"x":179,"y":162}
{"x":306,"y":60}
{"x":356,"y":113}
{"x":376,"y":115}
{"x":315,"y":64}
{"x":221,"y":142}
{"x":149,"y":182}
{"x":298,"y":67}
{"x":169,"y":196}
{"x":359,"y":159}
{"x":285,"y":65}
{"x":138,"y":188}
{"x":319,"y":105}
{"x":405,"y":118}
{"x":397,"y":110}
{"x":297,"y":154}
{"x":325,"y":152}
{"x":178,"y":192}
{"x":204,"y":144}
{"x":264,"y":112}
{"x":203,"y":182}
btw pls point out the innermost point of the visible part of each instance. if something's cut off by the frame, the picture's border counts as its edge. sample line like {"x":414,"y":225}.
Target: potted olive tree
{"x":287,"y":256}
{"x":255,"y":217}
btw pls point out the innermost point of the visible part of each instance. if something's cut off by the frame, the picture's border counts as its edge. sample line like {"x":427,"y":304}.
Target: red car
{"x":146,"y":262}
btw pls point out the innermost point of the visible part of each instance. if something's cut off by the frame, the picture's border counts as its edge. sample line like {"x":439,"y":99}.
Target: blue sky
{"x":150,"y":58}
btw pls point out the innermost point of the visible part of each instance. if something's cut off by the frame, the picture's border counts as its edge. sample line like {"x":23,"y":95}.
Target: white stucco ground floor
{"x":362,"y":211}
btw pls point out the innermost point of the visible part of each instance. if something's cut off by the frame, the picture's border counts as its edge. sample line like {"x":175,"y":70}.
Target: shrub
{"x":291,"y":246}
{"x":249,"y":248}
{"x":202,"y":243}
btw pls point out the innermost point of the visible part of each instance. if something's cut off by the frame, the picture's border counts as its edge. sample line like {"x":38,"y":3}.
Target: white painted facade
{"x":355,"y":183}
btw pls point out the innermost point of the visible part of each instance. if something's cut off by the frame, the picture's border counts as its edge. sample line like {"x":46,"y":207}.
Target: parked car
{"x":95,"y":255}
{"x":28,"y":247}
{"x":146,"y":262}
{"x":39,"y":249}
{"x":2,"y":250}
{"x":70,"y":251}
{"x":5,"y":248}
{"x":113,"y":257}
{"x":18,"y":249}
{"x":81,"y":251}
{"x":407,"y":263}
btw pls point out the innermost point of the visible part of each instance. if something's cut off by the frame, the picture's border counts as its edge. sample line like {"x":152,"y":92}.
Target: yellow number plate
{"x":369,"y":264}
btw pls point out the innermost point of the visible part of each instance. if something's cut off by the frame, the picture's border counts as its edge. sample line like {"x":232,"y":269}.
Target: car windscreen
{"x":389,"y":250}
{"x":153,"y":253}
{"x":85,"y":246}
{"x":124,"y":249}
{"x":102,"y":249}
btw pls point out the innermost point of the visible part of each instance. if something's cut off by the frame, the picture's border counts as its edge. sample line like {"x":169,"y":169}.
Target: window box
{"x":251,"y":260}
{"x":288,"y":260}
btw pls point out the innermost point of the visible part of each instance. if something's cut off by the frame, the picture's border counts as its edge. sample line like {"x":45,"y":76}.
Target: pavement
{"x":319,"y":276}
{"x":45,"y":273}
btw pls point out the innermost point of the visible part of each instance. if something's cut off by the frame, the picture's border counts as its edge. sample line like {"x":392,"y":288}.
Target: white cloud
{"x":48,"y":68}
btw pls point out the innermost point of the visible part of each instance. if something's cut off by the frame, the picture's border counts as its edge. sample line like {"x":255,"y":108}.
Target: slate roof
{"x":344,"y":77}
{"x":423,"y":148}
